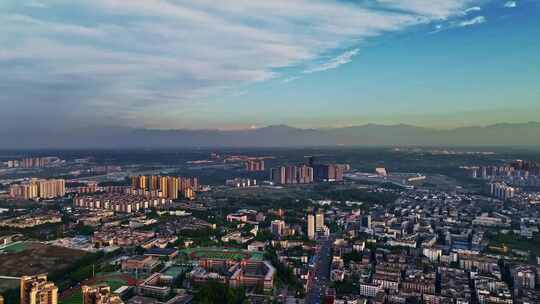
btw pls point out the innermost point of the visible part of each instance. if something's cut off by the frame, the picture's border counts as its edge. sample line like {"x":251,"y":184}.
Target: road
{"x":320,"y":273}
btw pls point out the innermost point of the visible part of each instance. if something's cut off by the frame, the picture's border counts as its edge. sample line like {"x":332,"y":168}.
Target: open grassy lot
{"x":75,"y":298}
{"x":33,"y":258}
{"x":15,"y":247}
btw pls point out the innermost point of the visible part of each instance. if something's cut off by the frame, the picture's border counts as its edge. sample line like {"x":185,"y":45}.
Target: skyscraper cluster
{"x":171,"y":187}
{"x":39,"y":188}
{"x":501,"y":191}
{"x":518,"y":168}
{"x":305,"y":174}
{"x":38,"y":290}
{"x":32,"y":162}
{"x":292,"y":175}
{"x":329,"y":172}
{"x":255,"y":165}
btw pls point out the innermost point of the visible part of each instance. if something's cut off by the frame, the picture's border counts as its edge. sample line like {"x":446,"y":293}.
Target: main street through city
{"x":319,"y":274}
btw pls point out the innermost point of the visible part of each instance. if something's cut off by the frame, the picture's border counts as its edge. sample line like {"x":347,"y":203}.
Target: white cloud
{"x":291,"y":79}
{"x":37,"y":4}
{"x":473,"y":21}
{"x":335,"y":62}
{"x":434,"y":9}
{"x":472,"y":9}
{"x":510,"y":4}
{"x":140,"y":55}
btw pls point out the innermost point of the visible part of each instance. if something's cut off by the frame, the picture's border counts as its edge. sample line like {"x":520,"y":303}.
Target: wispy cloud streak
{"x":473,"y":21}
{"x":335,"y":62}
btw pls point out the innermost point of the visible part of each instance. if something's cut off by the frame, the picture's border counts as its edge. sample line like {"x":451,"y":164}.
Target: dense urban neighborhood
{"x":271,"y":227}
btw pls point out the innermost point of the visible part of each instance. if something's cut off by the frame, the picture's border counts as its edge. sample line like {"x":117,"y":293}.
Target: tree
{"x":84,"y":229}
{"x":214,"y":292}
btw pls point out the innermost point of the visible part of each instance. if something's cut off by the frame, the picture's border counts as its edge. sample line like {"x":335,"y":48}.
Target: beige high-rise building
{"x":189,"y":193}
{"x":143,"y":182}
{"x":319,"y":221}
{"x":173,"y":187}
{"x":154,"y":182}
{"x":39,"y":188}
{"x":51,"y":188}
{"x":26,"y":191}
{"x":134,"y":182}
{"x":311,"y":226}
{"x":304,"y":174}
{"x":99,"y":294}
{"x":37,"y":290}
{"x":163,"y":186}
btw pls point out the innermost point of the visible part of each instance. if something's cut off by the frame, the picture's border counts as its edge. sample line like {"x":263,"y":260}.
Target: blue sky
{"x":240,"y":64}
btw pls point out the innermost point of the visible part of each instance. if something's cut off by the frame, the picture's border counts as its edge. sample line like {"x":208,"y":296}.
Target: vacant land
{"x":34,"y":258}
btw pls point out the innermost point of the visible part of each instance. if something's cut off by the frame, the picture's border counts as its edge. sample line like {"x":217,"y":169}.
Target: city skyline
{"x":241,"y":65}
{"x":315,"y":225}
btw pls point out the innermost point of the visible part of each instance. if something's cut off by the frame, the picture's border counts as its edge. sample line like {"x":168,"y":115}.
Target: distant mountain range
{"x":505,"y":134}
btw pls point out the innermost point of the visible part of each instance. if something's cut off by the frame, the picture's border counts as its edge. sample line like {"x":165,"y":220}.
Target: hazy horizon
{"x":511,"y":135}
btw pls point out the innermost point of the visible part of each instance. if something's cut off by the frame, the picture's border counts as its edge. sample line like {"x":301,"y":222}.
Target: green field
{"x":222,"y":253}
{"x":115,"y":283}
{"x":76,"y":298}
{"x":513,"y":241}
{"x":15,"y":247}
{"x":174,"y":271}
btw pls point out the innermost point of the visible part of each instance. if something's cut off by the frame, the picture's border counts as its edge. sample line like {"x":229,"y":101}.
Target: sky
{"x":235,"y":64}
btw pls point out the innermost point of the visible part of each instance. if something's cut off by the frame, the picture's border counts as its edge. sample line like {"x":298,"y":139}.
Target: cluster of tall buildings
{"x":253,"y":165}
{"x":39,"y":188}
{"x":171,"y":187}
{"x":291,"y":175}
{"x":280,"y":228}
{"x":32,"y":162}
{"x":38,"y":290}
{"x":315,"y":224}
{"x":329,"y":173}
{"x":305,"y":174}
{"x":501,"y":191}
{"x":518,"y":168}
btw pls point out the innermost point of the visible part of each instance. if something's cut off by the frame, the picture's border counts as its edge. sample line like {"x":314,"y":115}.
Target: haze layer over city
{"x":284,"y":151}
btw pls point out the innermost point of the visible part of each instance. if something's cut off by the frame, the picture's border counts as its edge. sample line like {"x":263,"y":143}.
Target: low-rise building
{"x":492,"y":291}
{"x":157,"y":286}
{"x":140,"y":265}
